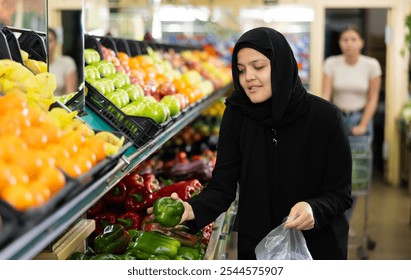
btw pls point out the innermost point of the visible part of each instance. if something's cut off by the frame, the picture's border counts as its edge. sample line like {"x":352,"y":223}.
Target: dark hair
{"x":351,"y":28}
{"x":52,"y":31}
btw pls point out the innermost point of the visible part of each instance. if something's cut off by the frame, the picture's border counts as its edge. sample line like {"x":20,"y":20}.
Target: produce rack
{"x":34,"y":238}
{"x":12,"y":40}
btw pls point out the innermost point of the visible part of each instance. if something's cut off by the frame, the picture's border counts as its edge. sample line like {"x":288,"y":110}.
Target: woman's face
{"x":52,"y":42}
{"x":351,"y":43}
{"x":254,"y":72}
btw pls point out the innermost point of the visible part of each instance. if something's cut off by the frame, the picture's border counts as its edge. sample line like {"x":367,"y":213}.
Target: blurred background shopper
{"x":63,"y":66}
{"x":352,"y":82}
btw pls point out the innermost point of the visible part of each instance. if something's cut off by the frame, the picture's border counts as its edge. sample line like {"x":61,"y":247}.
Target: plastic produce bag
{"x":283,"y":244}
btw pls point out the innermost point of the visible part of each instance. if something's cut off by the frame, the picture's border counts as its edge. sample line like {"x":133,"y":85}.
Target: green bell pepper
{"x":134,"y":234}
{"x":158,"y":257}
{"x":78,"y":256}
{"x":114,"y":240}
{"x":141,"y":255}
{"x":168,"y":211}
{"x":156,"y":243}
{"x":187,"y":253}
{"x":112,"y":257}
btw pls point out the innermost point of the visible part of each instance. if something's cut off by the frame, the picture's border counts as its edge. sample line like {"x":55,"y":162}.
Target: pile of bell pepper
{"x":125,"y":231}
{"x":117,"y":243}
{"x":128,"y":200}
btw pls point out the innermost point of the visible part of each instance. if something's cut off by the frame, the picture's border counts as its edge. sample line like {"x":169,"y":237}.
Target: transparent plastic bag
{"x":283,"y":244}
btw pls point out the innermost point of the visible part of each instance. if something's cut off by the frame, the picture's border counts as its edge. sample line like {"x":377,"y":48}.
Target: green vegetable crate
{"x":361,"y":164}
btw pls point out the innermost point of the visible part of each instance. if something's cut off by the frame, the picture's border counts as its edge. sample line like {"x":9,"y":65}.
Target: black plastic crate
{"x":138,"y":130}
{"x":122,"y":46}
{"x":77,"y":103}
{"x":108,"y":43}
{"x":8,"y":223}
{"x":14,"y":45}
{"x":90,"y":42}
{"x":28,"y":218}
{"x":4,"y":47}
{"x":134,"y":48}
{"x":34,"y":44}
{"x":98,"y":170}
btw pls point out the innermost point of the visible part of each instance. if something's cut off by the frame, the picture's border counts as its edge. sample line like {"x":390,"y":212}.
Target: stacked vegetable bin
{"x":144,"y":138}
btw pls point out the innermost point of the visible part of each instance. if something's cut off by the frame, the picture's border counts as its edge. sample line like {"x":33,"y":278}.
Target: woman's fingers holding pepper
{"x":188,"y":210}
{"x":174,"y":195}
{"x":188,"y":213}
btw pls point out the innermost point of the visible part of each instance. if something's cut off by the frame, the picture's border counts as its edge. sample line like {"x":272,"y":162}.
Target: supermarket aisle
{"x":388,"y":222}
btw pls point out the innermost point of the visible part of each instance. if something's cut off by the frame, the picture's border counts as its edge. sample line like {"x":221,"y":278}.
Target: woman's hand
{"x":188,"y":211}
{"x":301,"y":217}
{"x":358,"y":130}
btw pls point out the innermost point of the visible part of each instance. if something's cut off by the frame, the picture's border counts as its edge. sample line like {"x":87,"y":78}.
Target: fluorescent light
{"x":280,"y":13}
{"x":183,"y":14}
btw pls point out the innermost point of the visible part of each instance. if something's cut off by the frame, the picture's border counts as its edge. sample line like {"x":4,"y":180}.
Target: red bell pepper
{"x":182,"y":157}
{"x":103,"y":220}
{"x":148,"y":220}
{"x":139,"y":199}
{"x":133,"y":179}
{"x":178,"y":232}
{"x":146,"y":167}
{"x":184,"y":189}
{"x":207,"y":230}
{"x":117,"y":195}
{"x":130,"y":220}
{"x":97,"y":208}
{"x":151,"y":182}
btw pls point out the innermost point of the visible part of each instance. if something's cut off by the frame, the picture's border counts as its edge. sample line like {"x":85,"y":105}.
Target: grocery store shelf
{"x":146,"y":150}
{"x":36,"y":238}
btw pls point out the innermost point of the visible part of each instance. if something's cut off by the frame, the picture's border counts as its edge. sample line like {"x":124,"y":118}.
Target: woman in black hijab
{"x":286,"y":149}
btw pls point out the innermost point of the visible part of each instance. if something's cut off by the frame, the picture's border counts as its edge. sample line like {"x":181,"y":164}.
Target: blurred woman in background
{"x":352,"y":82}
{"x":62,"y":66}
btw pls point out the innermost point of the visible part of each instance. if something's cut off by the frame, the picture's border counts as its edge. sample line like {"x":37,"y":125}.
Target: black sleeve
{"x":335,"y":194}
{"x":220,"y":191}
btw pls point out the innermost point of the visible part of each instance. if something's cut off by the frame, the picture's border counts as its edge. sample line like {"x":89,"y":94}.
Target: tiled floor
{"x":389,"y":223}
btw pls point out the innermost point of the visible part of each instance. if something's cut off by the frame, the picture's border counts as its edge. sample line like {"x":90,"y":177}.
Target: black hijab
{"x":288,"y":100}
{"x":260,"y":165}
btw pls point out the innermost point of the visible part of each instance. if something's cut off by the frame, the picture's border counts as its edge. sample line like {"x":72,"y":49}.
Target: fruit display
{"x":199,"y":137}
{"x":40,"y":149}
{"x":43,"y":146}
{"x":38,"y":88}
{"x":110,"y":78}
{"x":37,"y":66}
{"x":174,"y":80}
{"x":50,"y":155}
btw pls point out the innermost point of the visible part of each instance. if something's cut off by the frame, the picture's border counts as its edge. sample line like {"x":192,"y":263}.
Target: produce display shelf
{"x":35,"y":239}
{"x":173,"y":128}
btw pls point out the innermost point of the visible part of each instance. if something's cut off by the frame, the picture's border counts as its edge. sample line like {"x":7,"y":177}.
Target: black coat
{"x":302,"y":154}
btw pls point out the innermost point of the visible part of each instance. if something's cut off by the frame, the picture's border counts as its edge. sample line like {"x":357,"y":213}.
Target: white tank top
{"x":350,"y":83}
